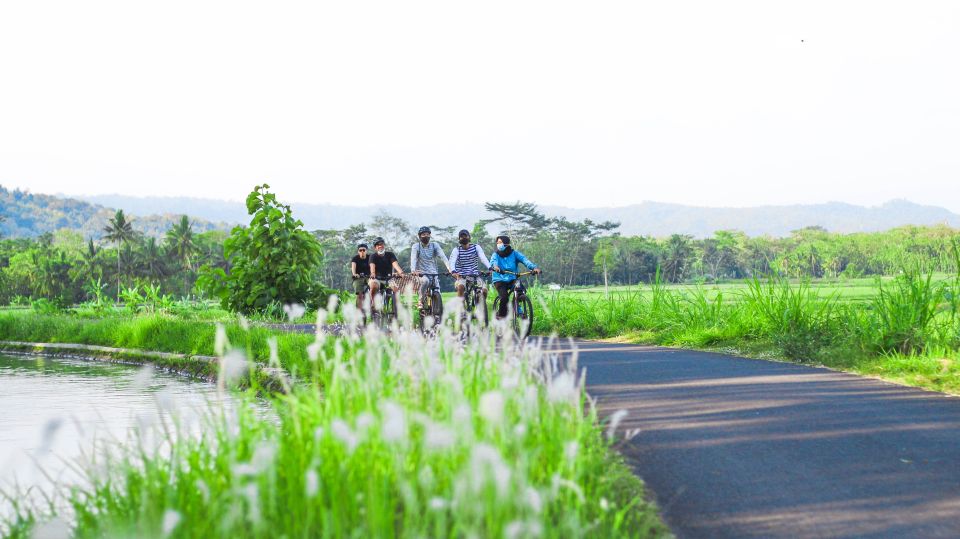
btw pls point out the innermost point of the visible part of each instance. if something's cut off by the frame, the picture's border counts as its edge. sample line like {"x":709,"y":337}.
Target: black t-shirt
{"x":384,"y":263}
{"x":363,"y":265}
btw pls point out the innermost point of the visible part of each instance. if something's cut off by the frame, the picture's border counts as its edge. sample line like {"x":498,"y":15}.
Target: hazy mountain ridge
{"x":27,"y":215}
{"x":648,"y":218}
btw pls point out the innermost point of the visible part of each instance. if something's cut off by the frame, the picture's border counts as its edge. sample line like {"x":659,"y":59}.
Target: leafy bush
{"x":273,"y":261}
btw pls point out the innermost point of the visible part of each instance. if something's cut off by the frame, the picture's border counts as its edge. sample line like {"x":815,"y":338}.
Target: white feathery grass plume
{"x":203,"y":489}
{"x":233,"y":365}
{"x":220,"y":341}
{"x":491,"y":407}
{"x":438,"y":504}
{"x":486,"y":462}
{"x":311,"y":483}
{"x":533,"y":499}
{"x":436,"y":437}
{"x":313,"y":350}
{"x":244,"y":322}
{"x":143,"y":377}
{"x":363,"y":422}
{"x":294,"y":311}
{"x":426,"y":478}
{"x":55,"y":528}
{"x":252,"y":493}
{"x":615,"y":419}
{"x":341,"y":431}
{"x":562,"y":388}
{"x":274,"y":347}
{"x":332,"y":303}
{"x":264,"y":455}
{"x":559,"y":482}
{"x":631,"y":434}
{"x":171,"y":519}
{"x":523,"y":529}
{"x":393,"y":426}
{"x":570,"y":450}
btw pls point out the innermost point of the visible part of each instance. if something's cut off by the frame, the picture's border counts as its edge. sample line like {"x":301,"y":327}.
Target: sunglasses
{"x":362,"y":250}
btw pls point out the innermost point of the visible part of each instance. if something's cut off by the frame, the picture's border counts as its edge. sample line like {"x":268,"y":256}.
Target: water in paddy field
{"x":54,"y":411}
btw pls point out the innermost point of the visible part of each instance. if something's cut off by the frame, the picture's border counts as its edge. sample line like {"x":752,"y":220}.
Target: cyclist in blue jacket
{"x":505,"y":258}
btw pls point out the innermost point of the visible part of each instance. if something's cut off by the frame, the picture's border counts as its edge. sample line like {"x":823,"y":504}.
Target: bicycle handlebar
{"x":521,"y":274}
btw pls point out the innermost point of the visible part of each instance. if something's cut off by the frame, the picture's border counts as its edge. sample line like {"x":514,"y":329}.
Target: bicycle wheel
{"x":480,"y":312}
{"x":436,"y":306}
{"x":389,"y":310}
{"x":523,"y":317}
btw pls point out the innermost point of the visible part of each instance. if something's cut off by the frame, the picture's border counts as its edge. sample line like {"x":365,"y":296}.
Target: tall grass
{"x":388,"y":436}
{"x":913,"y":315}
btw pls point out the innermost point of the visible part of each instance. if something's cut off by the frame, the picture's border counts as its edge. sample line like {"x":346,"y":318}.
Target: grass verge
{"x":385,"y":436}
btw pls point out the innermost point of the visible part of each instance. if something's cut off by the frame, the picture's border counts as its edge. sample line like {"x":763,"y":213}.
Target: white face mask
{"x":381,"y":250}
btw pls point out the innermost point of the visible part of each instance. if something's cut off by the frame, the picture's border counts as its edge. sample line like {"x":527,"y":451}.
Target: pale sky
{"x":577,"y":104}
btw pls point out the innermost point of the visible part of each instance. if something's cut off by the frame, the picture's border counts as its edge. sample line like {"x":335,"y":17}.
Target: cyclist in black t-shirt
{"x":360,"y":269}
{"x":383,"y":266}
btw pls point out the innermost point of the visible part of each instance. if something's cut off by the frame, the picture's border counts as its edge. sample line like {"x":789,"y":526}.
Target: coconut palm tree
{"x":151,"y":261}
{"x":181,"y":243}
{"x":120,"y":231}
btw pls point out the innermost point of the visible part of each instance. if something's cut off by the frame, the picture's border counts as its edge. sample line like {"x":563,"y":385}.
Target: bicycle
{"x":388,"y":304}
{"x":521,"y":308}
{"x":432,"y":305}
{"x":473,"y":297}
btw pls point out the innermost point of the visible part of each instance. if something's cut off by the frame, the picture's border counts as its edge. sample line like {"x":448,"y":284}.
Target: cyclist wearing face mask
{"x":465,"y":259}
{"x":360,"y":268}
{"x":423,"y":257}
{"x":507,"y":259}
{"x":383,"y":263}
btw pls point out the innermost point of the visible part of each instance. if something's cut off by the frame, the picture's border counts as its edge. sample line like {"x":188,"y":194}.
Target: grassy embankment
{"x":383,"y":437}
{"x":904,"y":329}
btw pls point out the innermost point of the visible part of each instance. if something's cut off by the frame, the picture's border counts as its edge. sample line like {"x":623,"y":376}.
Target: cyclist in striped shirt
{"x":465,"y":259}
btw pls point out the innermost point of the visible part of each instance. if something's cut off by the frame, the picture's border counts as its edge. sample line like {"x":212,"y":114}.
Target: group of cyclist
{"x":382,"y":269}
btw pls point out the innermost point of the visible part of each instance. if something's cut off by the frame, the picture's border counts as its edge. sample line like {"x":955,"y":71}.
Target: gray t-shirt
{"x":424,"y":258}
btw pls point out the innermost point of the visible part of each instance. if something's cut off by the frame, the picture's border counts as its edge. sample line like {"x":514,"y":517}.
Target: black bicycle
{"x":520,"y":308}
{"x":431,"y":306}
{"x":474,"y":300}
{"x":388,"y":304}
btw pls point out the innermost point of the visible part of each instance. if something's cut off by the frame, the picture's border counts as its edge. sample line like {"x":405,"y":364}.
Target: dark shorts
{"x":360,"y":285}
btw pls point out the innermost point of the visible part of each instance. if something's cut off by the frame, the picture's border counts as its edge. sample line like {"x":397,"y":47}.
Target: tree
{"x":180,"y":242}
{"x":272,"y":262}
{"x":151,"y":261}
{"x":119,"y":231}
{"x":677,"y":251}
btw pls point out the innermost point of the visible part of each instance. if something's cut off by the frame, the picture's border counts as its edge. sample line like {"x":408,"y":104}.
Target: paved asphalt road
{"x":733,"y":447}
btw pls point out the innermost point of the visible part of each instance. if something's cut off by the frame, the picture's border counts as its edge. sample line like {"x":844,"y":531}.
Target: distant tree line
{"x":67,"y":268}
{"x":586,"y":253}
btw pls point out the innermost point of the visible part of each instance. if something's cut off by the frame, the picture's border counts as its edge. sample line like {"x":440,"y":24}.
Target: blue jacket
{"x":509,"y":263}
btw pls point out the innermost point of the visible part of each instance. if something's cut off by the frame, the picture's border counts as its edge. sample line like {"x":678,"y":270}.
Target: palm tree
{"x":119,"y":231}
{"x":180,"y":242}
{"x":150,"y":260}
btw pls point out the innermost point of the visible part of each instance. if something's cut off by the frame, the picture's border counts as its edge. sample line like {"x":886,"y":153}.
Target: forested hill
{"x":27,"y":215}
{"x":649,"y":218}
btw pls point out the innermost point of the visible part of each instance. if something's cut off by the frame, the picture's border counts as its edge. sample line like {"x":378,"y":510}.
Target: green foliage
{"x":272,"y":262}
{"x":797,"y":318}
{"x":905,"y":313}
